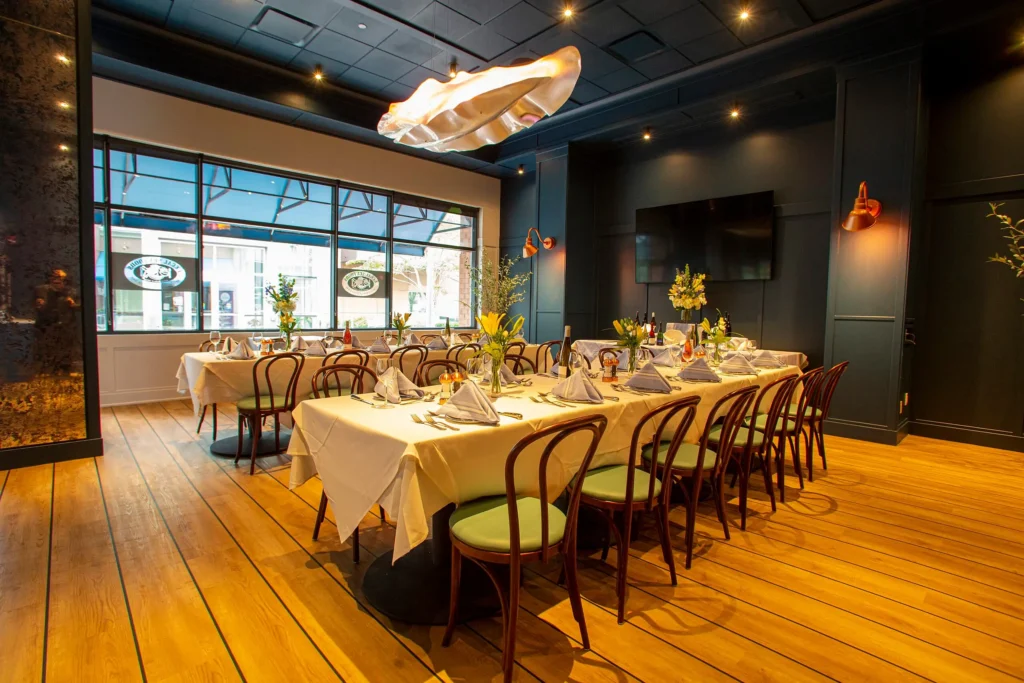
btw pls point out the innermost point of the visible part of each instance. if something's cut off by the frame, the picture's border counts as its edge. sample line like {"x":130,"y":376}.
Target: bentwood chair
{"x":818,"y":412}
{"x":547,"y":351}
{"x":512,"y":529}
{"x":427,"y":338}
{"x":268,"y":399}
{"x":516,"y":347}
{"x":519,"y":364}
{"x":759,"y":442}
{"x":408,"y":358}
{"x":460,"y":352}
{"x":207,"y":347}
{"x":428,"y":371}
{"x":328,"y":381}
{"x":339,"y":357}
{"x":643,"y":353}
{"x":466,"y":337}
{"x":623,"y":490}
{"x":691,"y":460}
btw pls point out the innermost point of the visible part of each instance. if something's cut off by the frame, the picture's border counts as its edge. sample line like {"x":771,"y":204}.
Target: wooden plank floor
{"x":160,"y":562}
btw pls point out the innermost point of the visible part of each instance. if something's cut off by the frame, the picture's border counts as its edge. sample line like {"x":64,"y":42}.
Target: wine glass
{"x":474,"y":368}
{"x":215,"y":339}
{"x":328,"y":338}
{"x":382,"y":366}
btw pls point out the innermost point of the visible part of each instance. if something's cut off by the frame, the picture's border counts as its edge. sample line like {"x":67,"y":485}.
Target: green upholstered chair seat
{"x":249,"y":403}
{"x":762,"y":419}
{"x":609,"y":483}
{"x":333,"y":391}
{"x":741,"y":436}
{"x":686,"y":458}
{"x":483,"y":524}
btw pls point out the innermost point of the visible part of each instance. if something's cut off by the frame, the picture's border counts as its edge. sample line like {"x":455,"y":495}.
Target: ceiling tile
{"x":266,"y":48}
{"x":408,"y":46}
{"x":554,"y":8}
{"x":338,"y":47}
{"x":417,"y":76}
{"x":596,"y":62}
{"x":442,"y":62}
{"x":767,"y":24}
{"x":823,"y":9}
{"x":347,"y":24}
{"x":585,"y":91}
{"x":438,"y":20}
{"x":485,"y":42}
{"x":278,"y":25}
{"x":315,"y":12}
{"x":363,"y":80}
{"x":521,"y":22}
{"x":652,"y":11}
{"x":480,"y":11}
{"x":686,"y":26}
{"x":306,"y":62}
{"x":406,"y":9}
{"x":709,"y":47}
{"x":518,"y":54}
{"x":396,"y":92}
{"x":605,"y":24}
{"x":636,"y":46}
{"x":662,"y":64}
{"x":238,"y":12}
{"x":383,"y":64}
{"x":620,"y":80}
{"x":209,"y":28}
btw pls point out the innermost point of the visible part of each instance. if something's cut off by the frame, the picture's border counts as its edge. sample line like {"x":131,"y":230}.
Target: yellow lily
{"x":706,"y":326}
{"x":489,"y":323}
{"x":516,"y":326}
{"x":618,"y":327}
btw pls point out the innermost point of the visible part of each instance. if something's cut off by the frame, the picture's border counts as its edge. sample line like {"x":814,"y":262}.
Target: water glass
{"x":382,"y":365}
{"x":328,"y":338}
{"x":215,"y":338}
{"x":474,"y":368}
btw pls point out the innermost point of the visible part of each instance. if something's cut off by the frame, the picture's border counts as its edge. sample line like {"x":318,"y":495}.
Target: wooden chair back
{"x":547,"y":353}
{"x":809,"y":395}
{"x":784,"y":388}
{"x":665,"y":414}
{"x":516,"y":347}
{"x":827,"y":390}
{"x":592,"y":424}
{"x":358,"y":379}
{"x":518,"y":364}
{"x":466,"y":337}
{"x":461,"y":352}
{"x":408,"y":358}
{"x":286,"y":365}
{"x":207,"y":346}
{"x":426,"y":368}
{"x":340,"y":357}
{"x":427,"y":338}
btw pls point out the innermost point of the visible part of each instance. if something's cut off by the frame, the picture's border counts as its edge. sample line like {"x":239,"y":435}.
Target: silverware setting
{"x":546,"y":398}
{"x":429,"y":417}
{"x":514,"y":416}
{"x":418,"y":420}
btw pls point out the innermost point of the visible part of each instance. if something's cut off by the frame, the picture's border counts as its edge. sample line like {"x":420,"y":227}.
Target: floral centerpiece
{"x":715,"y":337}
{"x":284,"y":296}
{"x":687,"y":292}
{"x":631,"y":337}
{"x":499,"y":335}
{"x":400,"y":321}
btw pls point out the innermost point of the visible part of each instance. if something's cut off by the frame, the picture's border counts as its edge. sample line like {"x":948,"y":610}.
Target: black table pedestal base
{"x":227,"y":447}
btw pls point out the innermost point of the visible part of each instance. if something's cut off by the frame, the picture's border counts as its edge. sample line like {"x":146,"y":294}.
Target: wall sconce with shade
{"x":865,"y":211}
{"x":529,"y":248}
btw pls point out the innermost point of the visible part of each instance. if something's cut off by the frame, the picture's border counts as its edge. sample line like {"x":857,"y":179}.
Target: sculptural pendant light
{"x":477,"y":109}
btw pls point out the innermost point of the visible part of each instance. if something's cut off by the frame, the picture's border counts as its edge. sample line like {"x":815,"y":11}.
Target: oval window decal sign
{"x":155,"y":272}
{"x":360,"y":283}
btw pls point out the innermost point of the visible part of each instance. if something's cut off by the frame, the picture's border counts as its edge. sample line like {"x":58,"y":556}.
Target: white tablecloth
{"x":366,"y":456}
{"x":590,"y":347}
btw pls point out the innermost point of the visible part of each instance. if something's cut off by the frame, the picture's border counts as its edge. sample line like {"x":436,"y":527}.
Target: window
{"x":356,"y":254}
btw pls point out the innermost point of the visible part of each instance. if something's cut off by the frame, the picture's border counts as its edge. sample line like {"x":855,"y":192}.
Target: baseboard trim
{"x":46,"y":453}
{"x":124,"y":398}
{"x":863,"y":432}
{"x":965,"y":434}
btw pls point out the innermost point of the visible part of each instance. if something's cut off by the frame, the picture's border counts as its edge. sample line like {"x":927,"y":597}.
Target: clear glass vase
{"x":496,"y":365}
{"x":631,"y":362}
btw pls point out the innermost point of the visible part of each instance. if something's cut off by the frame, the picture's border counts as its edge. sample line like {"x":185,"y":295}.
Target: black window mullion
{"x":200,"y":322}
{"x":108,"y":271}
{"x":390,"y":259}
{"x":334,"y":257}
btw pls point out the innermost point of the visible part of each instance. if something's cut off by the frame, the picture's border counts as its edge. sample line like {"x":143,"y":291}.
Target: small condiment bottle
{"x":611,"y":369}
{"x":457,"y":379}
{"x":446,"y":388}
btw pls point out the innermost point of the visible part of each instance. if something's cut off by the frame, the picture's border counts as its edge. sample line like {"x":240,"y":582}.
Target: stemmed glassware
{"x":215,"y":338}
{"x":390,"y":381}
{"x":328,"y":338}
{"x":475,"y":368}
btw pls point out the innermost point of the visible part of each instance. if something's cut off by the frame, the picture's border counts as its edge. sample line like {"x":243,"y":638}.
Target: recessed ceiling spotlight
{"x":361,"y":27}
{"x":647,"y":134}
{"x":744,"y":14}
{"x":453,"y":69}
{"x":567,"y":12}
{"x":318,"y":74}
{"x":735,"y":113}
{"x":521,"y":170}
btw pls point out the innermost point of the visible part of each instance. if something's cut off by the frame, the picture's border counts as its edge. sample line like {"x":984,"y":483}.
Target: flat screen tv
{"x":728,"y":238}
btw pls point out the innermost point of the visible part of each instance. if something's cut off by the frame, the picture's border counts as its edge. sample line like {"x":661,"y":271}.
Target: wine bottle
{"x":654,"y":326}
{"x":661,"y":335}
{"x":346,"y":338}
{"x":728,"y":324}
{"x":637,"y":318}
{"x":564,"y":369}
{"x":644,"y":339}
{"x":447,"y":330}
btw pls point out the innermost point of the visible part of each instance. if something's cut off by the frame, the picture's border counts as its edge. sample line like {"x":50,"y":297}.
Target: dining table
{"x":589,"y":348}
{"x":366,"y":455}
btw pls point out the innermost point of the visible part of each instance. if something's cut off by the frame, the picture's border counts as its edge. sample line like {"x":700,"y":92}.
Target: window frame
{"x":107,"y":144}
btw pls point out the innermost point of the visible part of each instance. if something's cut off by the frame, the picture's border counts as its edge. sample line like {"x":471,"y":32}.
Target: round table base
{"x":228,"y":446}
{"x":416,"y":589}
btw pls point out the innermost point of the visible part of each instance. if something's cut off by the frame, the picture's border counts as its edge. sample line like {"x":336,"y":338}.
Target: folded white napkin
{"x":738,"y":343}
{"x":356,"y":344}
{"x":767,"y":359}
{"x":578,"y":387}
{"x":698,"y":371}
{"x":253,"y":344}
{"x":242,"y":352}
{"x":299,"y":344}
{"x":316,"y":348}
{"x":648,"y":378}
{"x":379,"y":345}
{"x":506,"y":376}
{"x":394,"y":386}
{"x":553,"y":370}
{"x":437,"y":343}
{"x":665,"y":356}
{"x":228,"y":345}
{"x":411,"y":339}
{"x":470,"y":403}
{"x":736,"y":364}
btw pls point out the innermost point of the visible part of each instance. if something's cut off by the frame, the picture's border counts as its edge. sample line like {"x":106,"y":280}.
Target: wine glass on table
{"x":474,"y":368}
{"x":215,"y":340}
{"x":328,"y":339}
{"x":390,"y":379}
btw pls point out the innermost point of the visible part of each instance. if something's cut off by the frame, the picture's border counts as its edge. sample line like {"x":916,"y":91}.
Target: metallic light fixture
{"x":734,"y":113}
{"x":865,"y":211}
{"x":453,"y":69}
{"x":521,"y":170}
{"x":647,"y":134}
{"x":567,"y":12}
{"x":477,"y":109}
{"x":318,"y":74}
{"x":744,"y":14}
{"x":529,"y":248}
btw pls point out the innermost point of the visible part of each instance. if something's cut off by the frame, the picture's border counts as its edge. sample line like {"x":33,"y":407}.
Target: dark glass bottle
{"x":728,"y":324}
{"x":661,"y":335}
{"x":653,"y":332}
{"x":564,"y":367}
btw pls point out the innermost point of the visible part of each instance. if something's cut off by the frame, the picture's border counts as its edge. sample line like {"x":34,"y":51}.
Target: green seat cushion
{"x":686,"y":458}
{"x":249,"y":402}
{"x":609,"y":483}
{"x":741,"y":435}
{"x":333,"y":391}
{"x":762,"y":419}
{"x":483,"y":524}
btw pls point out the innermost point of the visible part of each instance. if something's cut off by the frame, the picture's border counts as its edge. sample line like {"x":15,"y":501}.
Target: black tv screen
{"x":728,"y":238}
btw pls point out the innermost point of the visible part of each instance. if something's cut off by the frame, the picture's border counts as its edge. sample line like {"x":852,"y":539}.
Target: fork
{"x":547,"y":399}
{"x":440,"y":425}
{"x":418,"y":420}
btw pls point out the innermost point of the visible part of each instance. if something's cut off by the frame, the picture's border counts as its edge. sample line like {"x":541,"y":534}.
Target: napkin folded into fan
{"x":736,"y":364}
{"x":411,"y":339}
{"x":507,"y":376}
{"x":394,"y":386}
{"x":698,"y":371}
{"x":241,"y":352}
{"x":299,"y":344}
{"x":379,"y":345}
{"x":438,"y":344}
{"x":316,"y":348}
{"x":648,"y":378}
{"x":666,"y":356}
{"x":578,"y":387}
{"x":767,"y":359}
{"x":470,"y":403}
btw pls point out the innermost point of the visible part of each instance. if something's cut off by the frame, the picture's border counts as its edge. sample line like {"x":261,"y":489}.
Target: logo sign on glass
{"x":363,"y":284}
{"x":162,"y":273}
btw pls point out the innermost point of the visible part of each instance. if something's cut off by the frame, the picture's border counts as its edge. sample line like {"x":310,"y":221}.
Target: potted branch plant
{"x":1015,"y":237}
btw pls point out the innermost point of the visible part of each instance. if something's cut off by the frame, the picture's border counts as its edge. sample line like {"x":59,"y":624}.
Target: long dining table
{"x":366,"y":456}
